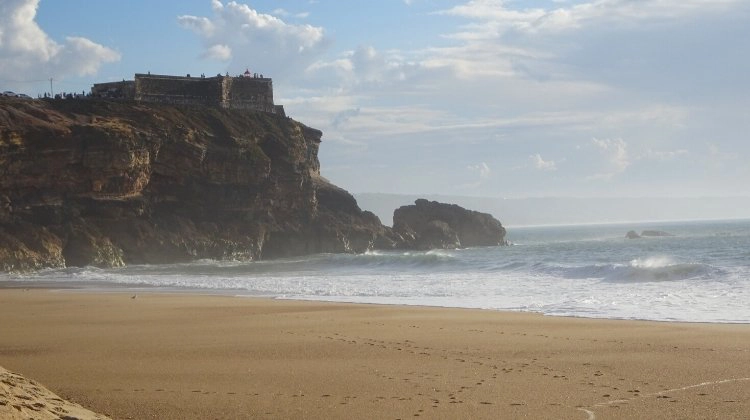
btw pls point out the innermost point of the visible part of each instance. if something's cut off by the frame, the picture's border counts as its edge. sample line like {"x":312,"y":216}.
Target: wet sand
{"x":191,"y":356}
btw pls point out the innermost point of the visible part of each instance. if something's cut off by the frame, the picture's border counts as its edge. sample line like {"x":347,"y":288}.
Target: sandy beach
{"x":186,"y":356}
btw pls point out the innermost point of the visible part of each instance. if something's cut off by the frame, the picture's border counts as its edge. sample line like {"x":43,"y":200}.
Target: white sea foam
{"x":700,"y":277}
{"x":652,"y":262}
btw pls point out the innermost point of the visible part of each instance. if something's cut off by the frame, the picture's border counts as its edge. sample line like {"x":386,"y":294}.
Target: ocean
{"x":700,"y":274}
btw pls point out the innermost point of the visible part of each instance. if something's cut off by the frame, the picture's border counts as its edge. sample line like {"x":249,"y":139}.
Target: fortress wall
{"x":250,"y":93}
{"x":178,"y":90}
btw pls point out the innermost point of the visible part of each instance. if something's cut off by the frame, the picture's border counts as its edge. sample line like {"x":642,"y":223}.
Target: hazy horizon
{"x":542,"y":211}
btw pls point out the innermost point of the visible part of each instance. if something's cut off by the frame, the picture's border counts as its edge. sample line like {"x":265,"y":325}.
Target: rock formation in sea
{"x":430,"y":225}
{"x":632,"y":235}
{"x":108,"y":183}
{"x":646,"y":233}
{"x":655,"y":233}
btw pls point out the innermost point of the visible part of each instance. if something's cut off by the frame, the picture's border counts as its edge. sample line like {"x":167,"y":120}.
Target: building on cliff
{"x":247,"y":91}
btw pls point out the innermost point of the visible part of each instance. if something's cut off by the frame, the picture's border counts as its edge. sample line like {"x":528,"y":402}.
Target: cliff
{"x":104,"y":183}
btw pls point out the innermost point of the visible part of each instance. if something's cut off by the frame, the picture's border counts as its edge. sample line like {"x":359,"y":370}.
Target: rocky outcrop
{"x":22,"y":399}
{"x":646,"y":233}
{"x":655,"y":233}
{"x":430,"y":225}
{"x":103,"y":183}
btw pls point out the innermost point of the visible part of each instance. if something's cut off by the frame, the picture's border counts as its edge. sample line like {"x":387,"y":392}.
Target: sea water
{"x":700,"y":274}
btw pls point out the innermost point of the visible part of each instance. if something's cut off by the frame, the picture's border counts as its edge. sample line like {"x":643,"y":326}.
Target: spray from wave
{"x":650,"y":269}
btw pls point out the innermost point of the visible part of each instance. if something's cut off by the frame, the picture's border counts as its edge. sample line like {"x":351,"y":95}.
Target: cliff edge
{"x":106,"y":183}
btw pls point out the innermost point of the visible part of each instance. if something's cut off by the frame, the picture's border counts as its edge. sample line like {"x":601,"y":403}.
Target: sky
{"x":496,"y":98}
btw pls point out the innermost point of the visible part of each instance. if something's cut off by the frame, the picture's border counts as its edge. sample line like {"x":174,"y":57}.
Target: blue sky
{"x":501,"y":98}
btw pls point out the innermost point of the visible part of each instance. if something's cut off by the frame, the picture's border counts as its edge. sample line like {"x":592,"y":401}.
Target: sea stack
{"x":432,"y":225}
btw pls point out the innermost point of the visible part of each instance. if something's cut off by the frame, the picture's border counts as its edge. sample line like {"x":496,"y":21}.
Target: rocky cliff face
{"x":86,"y":182}
{"x":430,"y":225}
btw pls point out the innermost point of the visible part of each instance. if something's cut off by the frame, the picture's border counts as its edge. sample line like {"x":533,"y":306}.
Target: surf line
{"x":592,"y":415}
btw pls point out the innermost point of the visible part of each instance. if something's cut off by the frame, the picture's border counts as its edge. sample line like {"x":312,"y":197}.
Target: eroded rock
{"x":432,"y":225}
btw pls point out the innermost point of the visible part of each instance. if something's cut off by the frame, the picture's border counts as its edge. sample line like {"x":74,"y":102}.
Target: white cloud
{"x":27,"y":52}
{"x":495,"y":11}
{"x":482,"y":169}
{"x":661,"y":155}
{"x":200,"y":25}
{"x":257,"y":40}
{"x":481,"y":172}
{"x":285,"y":13}
{"x":498,"y":16}
{"x":616,"y":150}
{"x":615,"y":153}
{"x":364,"y":68}
{"x":218,"y":52}
{"x":541,"y":164}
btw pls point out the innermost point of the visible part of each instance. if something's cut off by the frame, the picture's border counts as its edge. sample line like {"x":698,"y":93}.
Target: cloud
{"x":481,"y":172}
{"x":660,"y":155}
{"x":27,"y":52}
{"x":499,"y":17}
{"x":616,"y":150}
{"x":366,"y":69}
{"x":285,"y":13}
{"x":344,"y":116}
{"x":541,"y":164}
{"x":482,"y":169}
{"x":200,"y":25}
{"x":218,"y":52}
{"x":248,"y":38}
{"x":615,"y":153}
{"x":495,"y":11}
{"x":614,"y":42}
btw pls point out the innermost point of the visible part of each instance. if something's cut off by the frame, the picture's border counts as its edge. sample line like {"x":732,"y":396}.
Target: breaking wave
{"x":651,"y":269}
